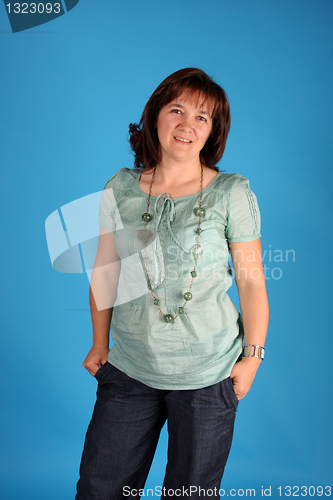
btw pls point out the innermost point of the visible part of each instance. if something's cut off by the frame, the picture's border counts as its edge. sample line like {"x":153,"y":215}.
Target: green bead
{"x":156,"y":302}
{"x":196,"y":251}
{"x":200,"y":212}
{"x":188,"y":296}
{"x":199,"y":230}
{"x":146,"y":217}
{"x":168,"y":318}
{"x":193,"y":274}
{"x":181,"y":310}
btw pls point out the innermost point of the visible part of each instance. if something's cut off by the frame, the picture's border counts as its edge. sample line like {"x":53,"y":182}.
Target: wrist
{"x":251,"y":361}
{"x":251,"y":364}
{"x":101,"y":338}
{"x":101,"y":344}
{"x":253,"y":351}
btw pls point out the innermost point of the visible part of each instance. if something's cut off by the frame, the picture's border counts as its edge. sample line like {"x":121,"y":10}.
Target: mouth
{"x":181,"y":139}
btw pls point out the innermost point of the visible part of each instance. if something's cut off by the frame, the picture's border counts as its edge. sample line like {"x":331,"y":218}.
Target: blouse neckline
{"x":178,"y":197}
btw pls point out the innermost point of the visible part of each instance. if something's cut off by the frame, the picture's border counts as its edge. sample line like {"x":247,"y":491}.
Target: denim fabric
{"x":124,"y":431}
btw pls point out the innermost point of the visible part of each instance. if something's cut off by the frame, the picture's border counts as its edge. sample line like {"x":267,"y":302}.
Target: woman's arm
{"x":103,"y":293}
{"x":250,"y":281}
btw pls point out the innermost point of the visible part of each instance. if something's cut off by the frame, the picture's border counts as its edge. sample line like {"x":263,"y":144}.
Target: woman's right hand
{"x":102,"y":295}
{"x":95,"y":358}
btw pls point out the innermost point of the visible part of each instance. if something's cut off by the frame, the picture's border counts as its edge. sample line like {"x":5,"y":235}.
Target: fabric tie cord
{"x":167,"y":208}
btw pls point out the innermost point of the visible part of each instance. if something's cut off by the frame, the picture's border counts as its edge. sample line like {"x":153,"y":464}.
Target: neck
{"x":174,"y":174}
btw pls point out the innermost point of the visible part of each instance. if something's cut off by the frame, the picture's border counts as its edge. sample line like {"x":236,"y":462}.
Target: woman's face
{"x":183,"y":127}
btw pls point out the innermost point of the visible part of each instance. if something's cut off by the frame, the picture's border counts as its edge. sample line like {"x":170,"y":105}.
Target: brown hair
{"x":143,"y":137}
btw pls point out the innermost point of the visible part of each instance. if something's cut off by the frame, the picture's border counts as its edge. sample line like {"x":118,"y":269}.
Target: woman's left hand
{"x":242,"y":375}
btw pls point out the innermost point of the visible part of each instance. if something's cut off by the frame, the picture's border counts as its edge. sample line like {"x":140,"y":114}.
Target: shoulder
{"x":225,"y":183}
{"x":124,"y":179}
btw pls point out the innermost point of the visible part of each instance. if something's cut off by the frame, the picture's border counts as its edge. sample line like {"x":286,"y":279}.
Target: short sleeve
{"x":243,"y":214}
{"x":108,"y":208}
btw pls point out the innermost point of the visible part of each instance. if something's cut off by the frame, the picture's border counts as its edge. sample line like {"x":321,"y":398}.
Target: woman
{"x":167,"y":228}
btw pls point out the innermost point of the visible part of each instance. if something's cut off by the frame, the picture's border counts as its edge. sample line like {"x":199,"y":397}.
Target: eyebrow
{"x":181,"y":106}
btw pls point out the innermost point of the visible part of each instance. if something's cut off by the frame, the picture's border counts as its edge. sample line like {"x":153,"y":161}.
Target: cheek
{"x":205,"y":137}
{"x":164,"y":128}
{"x":161,"y":134}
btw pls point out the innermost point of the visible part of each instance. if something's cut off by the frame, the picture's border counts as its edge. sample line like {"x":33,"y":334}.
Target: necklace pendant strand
{"x":146,"y":235}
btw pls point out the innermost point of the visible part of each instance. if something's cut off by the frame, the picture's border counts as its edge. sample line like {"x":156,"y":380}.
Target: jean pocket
{"x":100,"y":371}
{"x":231,"y":392}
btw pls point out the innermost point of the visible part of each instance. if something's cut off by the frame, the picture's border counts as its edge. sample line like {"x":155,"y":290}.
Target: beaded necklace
{"x":146,"y":235}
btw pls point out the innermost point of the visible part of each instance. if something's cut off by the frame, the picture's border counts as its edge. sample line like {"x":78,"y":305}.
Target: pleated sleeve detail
{"x":243,"y":212}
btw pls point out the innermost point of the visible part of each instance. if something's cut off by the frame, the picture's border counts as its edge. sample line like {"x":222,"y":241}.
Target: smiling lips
{"x":182,"y":140}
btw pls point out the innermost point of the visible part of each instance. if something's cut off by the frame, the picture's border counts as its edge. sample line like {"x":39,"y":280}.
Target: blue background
{"x":68,"y":91}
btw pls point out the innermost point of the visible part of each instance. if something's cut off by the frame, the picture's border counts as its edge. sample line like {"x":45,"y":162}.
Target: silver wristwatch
{"x":253,"y":351}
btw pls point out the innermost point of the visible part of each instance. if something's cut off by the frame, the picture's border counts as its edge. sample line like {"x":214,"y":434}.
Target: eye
{"x":202,"y":118}
{"x":177,"y":111}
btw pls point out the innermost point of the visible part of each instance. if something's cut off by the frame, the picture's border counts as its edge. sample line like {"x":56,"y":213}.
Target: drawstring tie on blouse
{"x":167,"y":207}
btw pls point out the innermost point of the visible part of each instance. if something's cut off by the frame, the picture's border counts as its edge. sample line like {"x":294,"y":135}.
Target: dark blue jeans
{"x":124,"y":431}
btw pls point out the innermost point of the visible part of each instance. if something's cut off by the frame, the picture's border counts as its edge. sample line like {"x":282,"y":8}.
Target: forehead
{"x":196,"y":99}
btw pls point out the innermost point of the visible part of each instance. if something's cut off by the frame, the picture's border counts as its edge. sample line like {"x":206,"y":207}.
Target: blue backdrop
{"x":69,"y":89}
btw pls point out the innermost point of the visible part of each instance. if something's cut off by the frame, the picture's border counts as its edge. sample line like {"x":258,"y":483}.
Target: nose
{"x":185,"y":123}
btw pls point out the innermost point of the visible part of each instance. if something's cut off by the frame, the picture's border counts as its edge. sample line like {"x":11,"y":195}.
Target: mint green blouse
{"x":200,"y":347}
